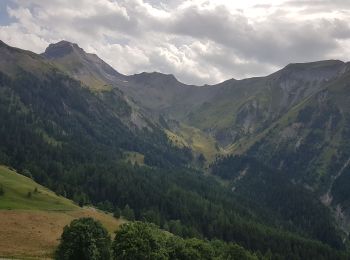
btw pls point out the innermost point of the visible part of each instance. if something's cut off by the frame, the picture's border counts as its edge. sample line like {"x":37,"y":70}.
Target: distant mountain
{"x":164,"y":94}
{"x":155,"y":92}
{"x":60,"y":112}
{"x":243,"y":108}
{"x":149,"y":96}
{"x":86,"y":67}
{"x":98,"y":76}
{"x":310,"y":144}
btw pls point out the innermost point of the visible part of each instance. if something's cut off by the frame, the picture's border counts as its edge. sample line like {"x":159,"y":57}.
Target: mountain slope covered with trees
{"x":70,"y":122}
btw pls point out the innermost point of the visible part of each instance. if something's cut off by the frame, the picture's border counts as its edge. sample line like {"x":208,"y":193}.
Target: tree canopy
{"x":142,"y":241}
{"x":84,"y":239}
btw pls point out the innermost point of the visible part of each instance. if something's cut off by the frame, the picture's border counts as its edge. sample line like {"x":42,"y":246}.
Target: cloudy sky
{"x":199,"y":41}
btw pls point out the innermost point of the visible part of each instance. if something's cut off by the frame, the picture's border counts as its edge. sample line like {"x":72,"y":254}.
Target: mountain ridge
{"x":66,"y":45}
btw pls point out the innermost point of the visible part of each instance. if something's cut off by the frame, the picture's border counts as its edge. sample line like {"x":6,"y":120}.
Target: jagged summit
{"x":62,"y":48}
{"x":86,"y":67}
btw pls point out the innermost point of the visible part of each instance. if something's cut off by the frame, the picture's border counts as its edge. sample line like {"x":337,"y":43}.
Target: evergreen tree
{"x":117,"y":212}
{"x":138,"y":241}
{"x":128,"y":213}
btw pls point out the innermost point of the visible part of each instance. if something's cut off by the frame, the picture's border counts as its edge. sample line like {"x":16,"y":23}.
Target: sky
{"x":199,"y":41}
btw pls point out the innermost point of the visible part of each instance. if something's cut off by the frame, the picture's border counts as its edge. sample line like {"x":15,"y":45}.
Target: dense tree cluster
{"x":316,"y":150}
{"x":142,"y":241}
{"x":287,"y":200}
{"x":86,"y":239}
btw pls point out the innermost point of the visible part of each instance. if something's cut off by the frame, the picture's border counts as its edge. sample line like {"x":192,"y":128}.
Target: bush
{"x":84,"y":239}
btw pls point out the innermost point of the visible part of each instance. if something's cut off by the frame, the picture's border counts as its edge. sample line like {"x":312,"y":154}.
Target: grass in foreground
{"x":21,"y":192}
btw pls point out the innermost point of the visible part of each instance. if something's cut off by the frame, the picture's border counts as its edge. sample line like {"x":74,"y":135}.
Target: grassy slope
{"x":134,"y":157}
{"x":31,"y":227}
{"x":70,"y":63}
{"x":221,"y":111}
{"x":196,"y":139}
{"x":16,"y":188}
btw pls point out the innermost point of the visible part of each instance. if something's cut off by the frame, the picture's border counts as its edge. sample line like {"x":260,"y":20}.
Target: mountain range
{"x":264,"y":153}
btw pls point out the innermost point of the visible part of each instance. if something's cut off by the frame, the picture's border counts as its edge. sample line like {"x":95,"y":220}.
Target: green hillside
{"x":197,"y":140}
{"x":245,"y":108}
{"x":21,"y":192}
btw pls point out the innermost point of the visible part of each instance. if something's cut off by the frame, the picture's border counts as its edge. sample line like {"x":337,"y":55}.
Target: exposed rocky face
{"x":88,"y":68}
{"x":61,"y":49}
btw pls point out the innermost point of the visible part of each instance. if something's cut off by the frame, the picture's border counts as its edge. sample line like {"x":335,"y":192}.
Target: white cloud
{"x":200,"y":41}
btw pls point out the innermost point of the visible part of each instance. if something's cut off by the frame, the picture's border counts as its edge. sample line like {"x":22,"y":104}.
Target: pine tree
{"x":2,"y":191}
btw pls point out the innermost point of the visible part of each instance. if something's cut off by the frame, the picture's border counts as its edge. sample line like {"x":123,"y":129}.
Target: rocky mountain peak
{"x":61,"y":49}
